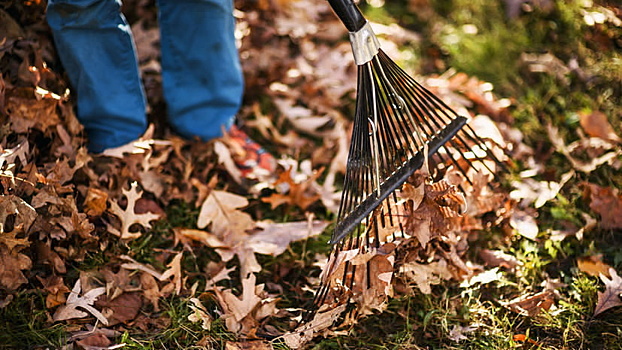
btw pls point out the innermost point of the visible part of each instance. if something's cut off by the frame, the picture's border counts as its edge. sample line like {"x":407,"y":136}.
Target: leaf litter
{"x":74,"y":203}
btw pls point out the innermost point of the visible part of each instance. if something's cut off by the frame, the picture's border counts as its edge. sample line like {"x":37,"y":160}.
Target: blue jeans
{"x":201,"y":74}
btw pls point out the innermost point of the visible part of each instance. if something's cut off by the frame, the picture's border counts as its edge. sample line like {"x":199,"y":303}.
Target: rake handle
{"x":349,"y":14}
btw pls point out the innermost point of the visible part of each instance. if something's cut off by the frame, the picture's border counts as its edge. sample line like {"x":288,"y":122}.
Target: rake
{"x":398,"y":126}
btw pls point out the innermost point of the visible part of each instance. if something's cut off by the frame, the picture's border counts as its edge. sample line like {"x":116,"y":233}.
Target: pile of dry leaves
{"x":60,"y":205}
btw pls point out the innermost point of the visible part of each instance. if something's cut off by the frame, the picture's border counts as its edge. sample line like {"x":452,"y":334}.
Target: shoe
{"x":249,"y":157}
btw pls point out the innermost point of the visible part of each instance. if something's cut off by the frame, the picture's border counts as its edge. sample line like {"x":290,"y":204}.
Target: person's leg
{"x":96,"y":48}
{"x":201,"y":73}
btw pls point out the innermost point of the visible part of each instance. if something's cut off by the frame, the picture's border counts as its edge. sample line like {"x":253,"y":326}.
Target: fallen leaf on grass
{"x":524,"y":224}
{"x":13,"y":263}
{"x":531,"y":305}
{"x":606,"y":202}
{"x":221,"y":209}
{"x":274,"y":238}
{"x":128,"y":216}
{"x":322,"y":320}
{"x":458,"y":333}
{"x":425,"y":275}
{"x":596,"y":124}
{"x":299,"y":194}
{"x":249,"y":345}
{"x":56,"y":288}
{"x":94,"y":341}
{"x":611,"y":296}
{"x":75,"y":301}
{"x":483,"y":278}
{"x":200,"y":314}
{"x":497,"y":258}
{"x":121,"y":309}
{"x":241,"y":314}
{"x":593,"y":265}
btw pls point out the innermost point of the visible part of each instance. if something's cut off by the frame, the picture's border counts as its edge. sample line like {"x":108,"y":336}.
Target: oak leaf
{"x":128,"y":216}
{"x":611,"y":296}
{"x":74,"y":301}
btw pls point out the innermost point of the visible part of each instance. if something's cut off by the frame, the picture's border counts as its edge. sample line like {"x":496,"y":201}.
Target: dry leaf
{"x":322,"y":320}
{"x":128,"y":216}
{"x":532,"y":305}
{"x":458,"y":333}
{"x":95,"y":202}
{"x":498,"y":258}
{"x":593,"y":265}
{"x":200,"y":314}
{"x":425,"y":275}
{"x":524,"y":224}
{"x":596,"y":124}
{"x":56,"y":288}
{"x":175,"y":272}
{"x":13,"y":262}
{"x":300,"y":194}
{"x":607,"y":202}
{"x":74,"y":301}
{"x":611,"y":296}
{"x":221,"y":210}
{"x":274,"y":238}
{"x":121,"y":309}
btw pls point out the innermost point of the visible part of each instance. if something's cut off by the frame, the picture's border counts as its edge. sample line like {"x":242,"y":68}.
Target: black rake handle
{"x":349,"y":14}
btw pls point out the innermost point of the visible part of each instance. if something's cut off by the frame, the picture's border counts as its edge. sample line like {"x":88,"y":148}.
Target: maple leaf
{"x":128,"y":216}
{"x":611,"y":296}
{"x":75,"y":301}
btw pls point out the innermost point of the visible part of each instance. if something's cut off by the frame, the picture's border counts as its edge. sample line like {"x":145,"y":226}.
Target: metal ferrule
{"x":365,"y":45}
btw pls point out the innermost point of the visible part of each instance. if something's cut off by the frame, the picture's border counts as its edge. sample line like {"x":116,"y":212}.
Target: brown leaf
{"x":121,"y":309}
{"x":56,"y":288}
{"x":96,"y":202}
{"x":298,"y":194}
{"x":175,"y":271}
{"x":94,"y":341}
{"x":532,"y":305}
{"x":249,"y":345}
{"x":596,"y":124}
{"x":611,"y":296}
{"x":150,"y":289}
{"x":498,"y":258}
{"x":237,"y":308}
{"x":221,"y":210}
{"x":607,"y":202}
{"x":13,"y":262}
{"x":128,"y":216}
{"x":593,"y":265}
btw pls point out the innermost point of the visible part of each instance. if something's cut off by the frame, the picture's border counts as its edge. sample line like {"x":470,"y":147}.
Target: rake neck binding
{"x":364,"y":43}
